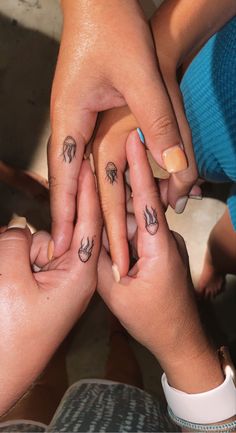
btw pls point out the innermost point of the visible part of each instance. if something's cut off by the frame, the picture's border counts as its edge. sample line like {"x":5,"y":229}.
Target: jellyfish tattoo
{"x":151,"y":222}
{"x":69,"y":149}
{"x":111,"y":172}
{"x":85,"y":250}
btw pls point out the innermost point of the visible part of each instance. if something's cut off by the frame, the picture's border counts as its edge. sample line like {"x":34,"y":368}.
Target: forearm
{"x":181,"y":27}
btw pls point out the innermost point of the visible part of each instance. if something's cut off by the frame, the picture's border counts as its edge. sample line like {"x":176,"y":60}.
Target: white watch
{"x":213,"y":406}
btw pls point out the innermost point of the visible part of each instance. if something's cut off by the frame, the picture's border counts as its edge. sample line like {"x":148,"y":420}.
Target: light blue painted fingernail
{"x":141,"y":136}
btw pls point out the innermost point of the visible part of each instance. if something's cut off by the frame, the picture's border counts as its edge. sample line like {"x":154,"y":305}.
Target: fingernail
{"x":36,"y":268}
{"x":174,"y":159}
{"x":195,"y":197}
{"x":116,"y":273}
{"x":181,"y":204}
{"x":127,"y":177}
{"x":17,"y":223}
{"x":141,"y":136}
{"x":50,"y":250}
{"x":92,"y":165}
{"x":91,"y":160}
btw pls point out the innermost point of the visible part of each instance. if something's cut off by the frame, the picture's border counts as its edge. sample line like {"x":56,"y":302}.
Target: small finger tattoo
{"x":151,"y":222}
{"x":111,"y":172}
{"x":69,"y":149}
{"x":85,"y":250}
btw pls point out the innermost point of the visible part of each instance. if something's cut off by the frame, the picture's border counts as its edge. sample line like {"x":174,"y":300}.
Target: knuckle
{"x":13,"y":235}
{"x":163,"y":125}
{"x":68,"y":187}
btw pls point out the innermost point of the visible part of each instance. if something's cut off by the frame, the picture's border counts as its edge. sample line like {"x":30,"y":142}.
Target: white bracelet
{"x":213,"y":406}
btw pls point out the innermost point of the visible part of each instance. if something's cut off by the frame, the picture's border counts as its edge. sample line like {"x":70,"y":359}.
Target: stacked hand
{"x":154,"y":302}
{"x":37,"y":310}
{"x":107,"y":59}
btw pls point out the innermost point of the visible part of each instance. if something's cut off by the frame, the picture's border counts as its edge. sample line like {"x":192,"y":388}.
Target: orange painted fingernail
{"x":50,"y":250}
{"x":174,"y":159}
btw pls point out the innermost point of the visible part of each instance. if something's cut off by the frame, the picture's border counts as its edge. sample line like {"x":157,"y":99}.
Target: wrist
{"x":200,"y":373}
{"x":211,"y":410}
{"x":186,"y":363}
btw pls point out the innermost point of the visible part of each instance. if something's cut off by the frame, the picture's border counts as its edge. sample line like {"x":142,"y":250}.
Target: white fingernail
{"x":36,"y":268}
{"x":181,"y":204}
{"x":17,"y":223}
{"x":116,"y":273}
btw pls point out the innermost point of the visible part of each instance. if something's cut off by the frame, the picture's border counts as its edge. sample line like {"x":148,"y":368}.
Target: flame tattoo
{"x":151,"y":222}
{"x":69,"y":149}
{"x":111,"y":172}
{"x":85,"y":250}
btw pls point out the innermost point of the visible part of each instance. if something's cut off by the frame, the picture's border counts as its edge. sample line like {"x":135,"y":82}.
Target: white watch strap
{"x":212,"y":406}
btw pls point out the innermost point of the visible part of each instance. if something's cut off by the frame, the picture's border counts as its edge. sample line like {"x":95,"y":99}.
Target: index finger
{"x":110,"y":159}
{"x":70,"y":134}
{"x":149,"y":212}
{"x":65,"y":156}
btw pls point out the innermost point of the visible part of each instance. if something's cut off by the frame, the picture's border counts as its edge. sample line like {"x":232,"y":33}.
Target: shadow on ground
{"x":27,"y":66}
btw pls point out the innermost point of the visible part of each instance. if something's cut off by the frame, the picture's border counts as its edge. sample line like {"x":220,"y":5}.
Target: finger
{"x":110,"y":160}
{"x":163,"y":188}
{"x":196,"y":192}
{"x":129,"y":206}
{"x":42,"y":249}
{"x":105,"y":242}
{"x":86,"y":240}
{"x":15,"y":245}
{"x":3,"y":229}
{"x":65,"y":154}
{"x":157,"y":120}
{"x":180,"y":184}
{"x":131,"y":226}
{"x":105,"y":277}
{"x":152,"y":225}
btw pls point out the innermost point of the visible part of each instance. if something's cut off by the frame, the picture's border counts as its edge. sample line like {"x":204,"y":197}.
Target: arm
{"x":37,"y":310}
{"x":155,"y":302}
{"x":181,"y":27}
{"x":176,"y":28}
{"x":103,"y":43}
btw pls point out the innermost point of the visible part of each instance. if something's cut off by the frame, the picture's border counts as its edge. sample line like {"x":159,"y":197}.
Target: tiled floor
{"x":29,"y":34}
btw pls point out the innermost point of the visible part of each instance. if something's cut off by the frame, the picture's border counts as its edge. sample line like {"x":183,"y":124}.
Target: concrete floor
{"x":29,"y":35}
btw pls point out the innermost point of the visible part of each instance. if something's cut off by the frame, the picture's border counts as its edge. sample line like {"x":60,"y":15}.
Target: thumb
{"x":15,"y":245}
{"x":157,"y":120}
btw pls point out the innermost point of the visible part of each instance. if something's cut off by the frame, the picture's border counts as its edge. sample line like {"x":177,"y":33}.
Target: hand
{"x":109,"y":152}
{"x":37,"y":310}
{"x":107,"y":59}
{"x":155,"y":302}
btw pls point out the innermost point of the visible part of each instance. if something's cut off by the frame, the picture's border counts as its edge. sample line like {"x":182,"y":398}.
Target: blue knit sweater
{"x":209,"y":92}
